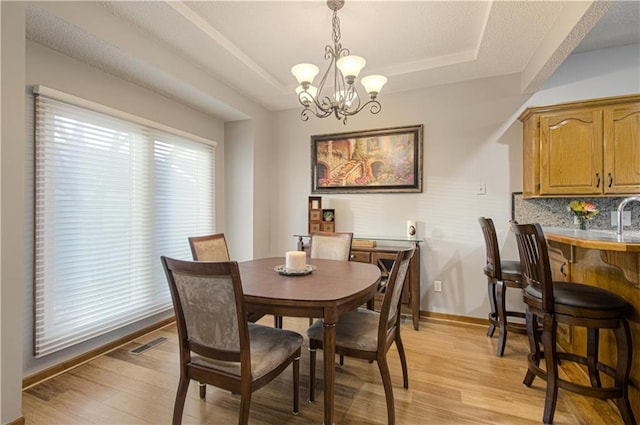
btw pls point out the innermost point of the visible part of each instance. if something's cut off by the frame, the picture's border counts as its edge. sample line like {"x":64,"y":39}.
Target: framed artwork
{"x":372,"y":161}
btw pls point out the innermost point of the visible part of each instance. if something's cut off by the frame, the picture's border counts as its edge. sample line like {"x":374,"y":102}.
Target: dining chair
{"x":577,"y":305}
{"x":209,"y":247}
{"x":218,"y":346}
{"x":330,"y":246}
{"x":501,"y":274}
{"x":368,"y":335}
{"x":214,"y":248}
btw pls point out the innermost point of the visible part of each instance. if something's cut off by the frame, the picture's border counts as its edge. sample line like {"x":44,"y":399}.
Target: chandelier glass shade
{"x":344,"y":68}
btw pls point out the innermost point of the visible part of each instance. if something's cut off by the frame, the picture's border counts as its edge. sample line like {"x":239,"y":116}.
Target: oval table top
{"x":331,"y":281}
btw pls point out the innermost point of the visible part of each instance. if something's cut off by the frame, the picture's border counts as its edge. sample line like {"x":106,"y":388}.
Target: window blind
{"x":111,"y":196}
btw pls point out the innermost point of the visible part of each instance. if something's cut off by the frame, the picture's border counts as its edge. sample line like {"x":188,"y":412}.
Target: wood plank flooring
{"x":455,"y":378}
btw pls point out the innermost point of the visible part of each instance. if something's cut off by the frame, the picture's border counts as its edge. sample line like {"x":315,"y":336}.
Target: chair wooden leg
{"x":341,"y":360}
{"x":492,"y":303}
{"x":623,"y":369}
{"x":593,"y":342}
{"x":388,"y":388}
{"x":403,"y":360}
{"x":502,"y":316}
{"x":277,"y":322}
{"x":312,"y":372}
{"x":549,"y":327}
{"x":534,"y":347}
{"x":296,"y":384}
{"x":203,"y":390}
{"x":181,"y":396}
{"x":245,"y":406}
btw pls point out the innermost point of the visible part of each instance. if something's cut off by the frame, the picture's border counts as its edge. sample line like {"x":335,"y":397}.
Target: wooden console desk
{"x":383,"y":256}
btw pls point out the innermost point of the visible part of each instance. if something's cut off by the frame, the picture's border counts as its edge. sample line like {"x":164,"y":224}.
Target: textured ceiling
{"x":201,"y":52}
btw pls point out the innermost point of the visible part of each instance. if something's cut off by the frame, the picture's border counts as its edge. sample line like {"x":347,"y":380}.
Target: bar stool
{"x":501,"y":274}
{"x":574,"y":304}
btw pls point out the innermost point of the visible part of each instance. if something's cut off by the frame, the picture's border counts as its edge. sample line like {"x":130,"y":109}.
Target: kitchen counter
{"x":606,"y":240}
{"x":600,"y":258}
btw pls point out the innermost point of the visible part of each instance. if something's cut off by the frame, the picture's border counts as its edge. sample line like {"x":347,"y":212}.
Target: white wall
{"x":12,"y":195}
{"x":471,"y":136}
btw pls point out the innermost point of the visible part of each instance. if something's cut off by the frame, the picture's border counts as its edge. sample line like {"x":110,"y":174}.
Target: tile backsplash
{"x":554,"y":212}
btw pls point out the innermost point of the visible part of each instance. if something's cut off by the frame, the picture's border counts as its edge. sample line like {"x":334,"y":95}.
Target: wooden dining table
{"x":333,"y":288}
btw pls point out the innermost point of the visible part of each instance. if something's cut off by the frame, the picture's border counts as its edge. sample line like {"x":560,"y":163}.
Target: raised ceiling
{"x":200,"y":52}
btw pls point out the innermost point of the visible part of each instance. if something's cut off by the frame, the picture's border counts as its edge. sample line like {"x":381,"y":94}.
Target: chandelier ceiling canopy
{"x":344,"y":68}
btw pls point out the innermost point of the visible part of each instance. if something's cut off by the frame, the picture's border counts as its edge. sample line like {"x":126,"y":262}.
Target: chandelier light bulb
{"x":350,"y":66}
{"x":305,"y":72}
{"x":373,"y":84}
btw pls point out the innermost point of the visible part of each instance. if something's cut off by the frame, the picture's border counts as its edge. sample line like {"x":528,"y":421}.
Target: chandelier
{"x":344,"y":68}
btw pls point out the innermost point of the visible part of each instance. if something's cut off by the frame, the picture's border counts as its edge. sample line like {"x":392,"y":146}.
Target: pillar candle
{"x":296,"y":261}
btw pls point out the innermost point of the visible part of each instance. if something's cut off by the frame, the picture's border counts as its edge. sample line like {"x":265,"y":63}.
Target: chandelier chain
{"x":336,"y":27}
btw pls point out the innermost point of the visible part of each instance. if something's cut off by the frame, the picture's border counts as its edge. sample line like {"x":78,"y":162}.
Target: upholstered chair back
{"x":391,"y":303}
{"x":207,"y":299}
{"x":331,"y":245}
{"x":209,"y":248}
{"x":209,"y":307}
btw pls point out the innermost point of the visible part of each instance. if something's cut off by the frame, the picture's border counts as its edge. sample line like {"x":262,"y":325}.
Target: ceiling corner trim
{"x":570,"y":27}
{"x":197,"y":21}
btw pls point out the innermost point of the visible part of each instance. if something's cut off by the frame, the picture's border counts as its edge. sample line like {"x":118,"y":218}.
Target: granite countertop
{"x":595,"y":239}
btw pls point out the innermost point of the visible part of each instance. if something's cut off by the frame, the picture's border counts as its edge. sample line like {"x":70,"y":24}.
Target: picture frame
{"x":371,"y":161}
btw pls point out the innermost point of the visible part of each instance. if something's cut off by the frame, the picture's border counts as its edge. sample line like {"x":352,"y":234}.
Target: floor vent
{"x":149,"y":345}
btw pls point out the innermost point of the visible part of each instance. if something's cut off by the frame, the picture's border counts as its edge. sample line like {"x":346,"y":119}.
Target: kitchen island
{"x":600,"y":258}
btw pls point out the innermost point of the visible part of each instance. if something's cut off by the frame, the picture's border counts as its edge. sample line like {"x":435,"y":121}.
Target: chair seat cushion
{"x":578,"y":295}
{"x":357,"y":329}
{"x":269,"y":348}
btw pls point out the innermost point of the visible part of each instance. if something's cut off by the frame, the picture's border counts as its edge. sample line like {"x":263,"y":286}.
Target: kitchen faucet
{"x":623,"y":204}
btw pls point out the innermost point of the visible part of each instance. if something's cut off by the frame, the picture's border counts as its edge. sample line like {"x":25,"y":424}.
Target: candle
{"x":296,"y":261}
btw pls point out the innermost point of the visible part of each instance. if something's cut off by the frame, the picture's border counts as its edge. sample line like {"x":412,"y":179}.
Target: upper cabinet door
{"x":622,"y":149}
{"x":571,"y":152}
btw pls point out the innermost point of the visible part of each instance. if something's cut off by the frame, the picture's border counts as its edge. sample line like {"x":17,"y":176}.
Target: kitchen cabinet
{"x":589,"y":148}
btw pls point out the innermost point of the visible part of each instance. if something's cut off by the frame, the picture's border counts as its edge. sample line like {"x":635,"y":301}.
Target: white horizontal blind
{"x":111,"y":197}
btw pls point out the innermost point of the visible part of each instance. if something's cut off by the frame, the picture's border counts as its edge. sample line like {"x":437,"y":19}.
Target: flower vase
{"x":582,"y":223}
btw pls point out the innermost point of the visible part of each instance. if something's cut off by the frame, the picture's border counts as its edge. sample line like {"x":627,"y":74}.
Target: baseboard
{"x":74,"y":362}
{"x":453,"y":318}
{"x":19,"y":421}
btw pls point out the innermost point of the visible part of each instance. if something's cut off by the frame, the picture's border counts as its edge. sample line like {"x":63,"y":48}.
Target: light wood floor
{"x":455,"y":378}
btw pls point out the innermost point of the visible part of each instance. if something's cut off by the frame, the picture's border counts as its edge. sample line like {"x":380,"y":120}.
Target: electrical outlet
{"x":626,"y":218}
{"x":437,"y":286}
